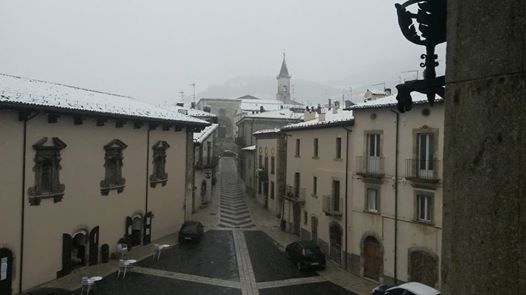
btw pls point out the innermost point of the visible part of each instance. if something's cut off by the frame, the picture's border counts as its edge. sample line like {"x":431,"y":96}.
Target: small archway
{"x":423,"y":266}
{"x":372,"y":257}
{"x":335,"y":237}
{"x":79,"y":247}
{"x":6,"y":268}
{"x":137,"y":229}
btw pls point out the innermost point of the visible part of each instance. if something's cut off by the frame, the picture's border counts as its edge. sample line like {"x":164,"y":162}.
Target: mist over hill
{"x":304,"y":91}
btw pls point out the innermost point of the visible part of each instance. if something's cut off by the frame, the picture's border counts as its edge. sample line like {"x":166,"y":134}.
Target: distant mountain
{"x":306,"y":92}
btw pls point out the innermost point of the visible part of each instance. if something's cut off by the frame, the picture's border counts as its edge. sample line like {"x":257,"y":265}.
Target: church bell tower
{"x":283,"y":82}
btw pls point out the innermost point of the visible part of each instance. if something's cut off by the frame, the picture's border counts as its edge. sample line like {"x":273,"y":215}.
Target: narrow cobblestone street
{"x":242,"y":252}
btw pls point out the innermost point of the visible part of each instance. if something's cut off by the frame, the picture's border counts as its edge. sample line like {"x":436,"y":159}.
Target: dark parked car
{"x":305,"y":254}
{"x":48,"y":291}
{"x":191,"y":231}
{"x":412,"y":288}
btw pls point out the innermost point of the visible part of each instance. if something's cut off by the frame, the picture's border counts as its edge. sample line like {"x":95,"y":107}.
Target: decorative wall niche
{"x":113,"y":179}
{"x":47,"y":166}
{"x":159,"y":174}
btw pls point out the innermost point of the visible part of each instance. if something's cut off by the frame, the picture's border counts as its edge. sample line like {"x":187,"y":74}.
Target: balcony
{"x":295,"y":194}
{"x":370,"y":167}
{"x":422,"y":171}
{"x":332,"y":206}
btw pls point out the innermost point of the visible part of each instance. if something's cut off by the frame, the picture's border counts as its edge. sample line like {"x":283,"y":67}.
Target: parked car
{"x":48,"y":291}
{"x":191,"y":231}
{"x":412,"y":288}
{"x":305,"y":254}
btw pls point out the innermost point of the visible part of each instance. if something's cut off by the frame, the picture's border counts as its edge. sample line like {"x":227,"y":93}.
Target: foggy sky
{"x":153,"y":49}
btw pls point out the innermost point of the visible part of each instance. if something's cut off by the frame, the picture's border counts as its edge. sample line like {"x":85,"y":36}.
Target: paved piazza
{"x":234,"y":257}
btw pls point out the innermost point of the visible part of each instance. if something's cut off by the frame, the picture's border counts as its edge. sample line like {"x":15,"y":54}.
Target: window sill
{"x":153,"y":183}
{"x":338,"y":159}
{"x":105,"y":190}
{"x":297,"y":156}
{"x":425,"y":222}
{"x":315,"y":158}
{"x":314,"y":196}
{"x":35,"y":199}
{"x":377,"y":212}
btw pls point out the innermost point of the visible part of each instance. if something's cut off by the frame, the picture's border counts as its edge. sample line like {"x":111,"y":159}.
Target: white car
{"x":412,"y":288}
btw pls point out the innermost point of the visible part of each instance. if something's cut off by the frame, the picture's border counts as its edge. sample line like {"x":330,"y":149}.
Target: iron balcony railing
{"x":420,"y":169}
{"x":295,"y":194}
{"x":332,"y":206}
{"x":370,"y":166}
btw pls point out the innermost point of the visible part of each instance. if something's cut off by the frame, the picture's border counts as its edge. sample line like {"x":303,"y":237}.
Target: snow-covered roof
{"x":23,"y":92}
{"x":205,"y":133}
{"x":375,"y":91}
{"x":188,"y":111}
{"x":267,"y":131}
{"x":248,"y":105}
{"x":331,"y":119}
{"x":276,"y":114}
{"x":390,"y":101}
{"x":249,"y":148}
{"x":417,"y":289}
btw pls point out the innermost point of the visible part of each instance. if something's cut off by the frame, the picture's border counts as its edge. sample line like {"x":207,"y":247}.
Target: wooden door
{"x":296,"y":211}
{"x":67,"y":266}
{"x":94,"y":246}
{"x":314,"y":228}
{"x":147,"y":228}
{"x":128,"y":230}
{"x":372,"y":258}
{"x":335,"y":235}
{"x":6,"y":271}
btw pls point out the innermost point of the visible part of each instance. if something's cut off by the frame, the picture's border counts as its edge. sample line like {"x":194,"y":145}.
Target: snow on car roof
{"x":19,"y":91}
{"x":417,"y":288}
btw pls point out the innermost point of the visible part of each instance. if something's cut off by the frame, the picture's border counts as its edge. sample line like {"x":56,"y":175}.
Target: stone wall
{"x":484,"y":242}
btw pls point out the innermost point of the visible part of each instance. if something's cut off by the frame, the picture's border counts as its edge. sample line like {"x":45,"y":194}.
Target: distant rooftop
{"x":188,"y":111}
{"x":340,"y":118}
{"x":276,"y":114}
{"x":199,"y":137}
{"x":30,"y":93}
{"x":268,"y":131}
{"x":390,"y":101}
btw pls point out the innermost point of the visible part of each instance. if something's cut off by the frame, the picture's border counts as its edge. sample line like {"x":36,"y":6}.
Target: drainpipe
{"x":25,"y":118}
{"x":147,"y":169}
{"x":396,"y":196}
{"x":346,"y":193}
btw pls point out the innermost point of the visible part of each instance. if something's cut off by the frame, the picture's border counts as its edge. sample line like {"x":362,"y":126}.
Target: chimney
{"x":180,"y":104}
{"x":321,"y":117}
{"x":309,"y":114}
{"x":318,"y":110}
{"x":330,"y":104}
{"x":192,"y":106}
{"x":261,"y":109}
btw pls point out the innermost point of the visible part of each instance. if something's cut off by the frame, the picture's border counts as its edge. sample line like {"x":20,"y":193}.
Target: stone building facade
{"x":396,"y":203}
{"x":316,"y":186}
{"x":271,"y":161}
{"x":87,"y":169}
